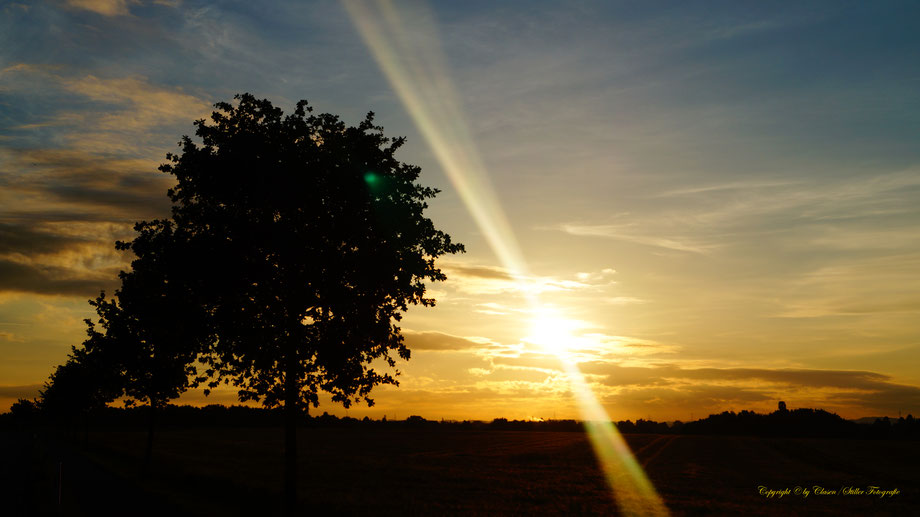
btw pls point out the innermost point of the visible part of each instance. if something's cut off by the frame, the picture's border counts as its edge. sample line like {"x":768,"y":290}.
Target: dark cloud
{"x":884,"y":397}
{"x":811,"y":378}
{"x":134,"y":188}
{"x":673,"y":386}
{"x":63,"y":215}
{"x":39,"y":279}
{"x":137,"y":203}
{"x":24,"y":238}
{"x":495,"y":273}
{"x":618,"y":375}
{"x":56,"y":202}
{"x":20,"y":392}
{"x":695,"y":397}
{"x":711,"y":393}
{"x":431,"y":340}
{"x":68,"y":258}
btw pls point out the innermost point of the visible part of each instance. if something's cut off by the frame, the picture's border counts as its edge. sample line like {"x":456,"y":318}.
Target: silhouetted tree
{"x":308,"y":241}
{"x":78,"y":387}
{"x":153,"y":328}
{"x":417,"y":421}
{"x":24,"y":411}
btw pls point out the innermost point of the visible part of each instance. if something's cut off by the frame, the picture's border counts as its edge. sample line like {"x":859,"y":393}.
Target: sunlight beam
{"x":635,"y":494}
{"x":406,"y":47}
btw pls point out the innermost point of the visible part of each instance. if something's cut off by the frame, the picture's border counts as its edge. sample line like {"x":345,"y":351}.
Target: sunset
{"x":666,"y":210}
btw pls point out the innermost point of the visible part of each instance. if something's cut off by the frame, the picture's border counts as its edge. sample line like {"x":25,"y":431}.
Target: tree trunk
{"x":149,"y":450}
{"x":290,"y":436}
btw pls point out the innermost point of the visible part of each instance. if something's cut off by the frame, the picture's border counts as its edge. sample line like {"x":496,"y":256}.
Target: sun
{"x":552,"y":332}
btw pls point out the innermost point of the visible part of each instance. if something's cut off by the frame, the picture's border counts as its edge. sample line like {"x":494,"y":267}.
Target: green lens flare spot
{"x":371,"y":179}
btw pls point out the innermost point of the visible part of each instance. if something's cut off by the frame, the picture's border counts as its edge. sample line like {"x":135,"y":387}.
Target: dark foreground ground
{"x":424,"y":472}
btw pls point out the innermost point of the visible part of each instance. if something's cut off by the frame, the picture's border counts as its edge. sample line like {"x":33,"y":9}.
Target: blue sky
{"x":723,"y":186}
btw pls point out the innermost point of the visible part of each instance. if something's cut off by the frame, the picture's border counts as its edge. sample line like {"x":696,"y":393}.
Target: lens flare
{"x":406,"y":47}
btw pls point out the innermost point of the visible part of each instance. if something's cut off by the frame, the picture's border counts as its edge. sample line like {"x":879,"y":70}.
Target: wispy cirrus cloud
{"x":110,"y":116}
{"x":851,"y":213}
{"x":803,"y":200}
{"x":630,"y":232}
{"x":853,"y":288}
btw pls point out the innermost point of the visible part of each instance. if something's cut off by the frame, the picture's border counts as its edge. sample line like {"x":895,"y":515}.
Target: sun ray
{"x":406,"y":47}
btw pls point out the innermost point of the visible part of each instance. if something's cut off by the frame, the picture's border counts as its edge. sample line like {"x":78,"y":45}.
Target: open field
{"x":434,"y":472}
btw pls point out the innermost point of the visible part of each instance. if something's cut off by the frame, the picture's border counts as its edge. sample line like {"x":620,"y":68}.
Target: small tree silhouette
{"x":153,"y":328}
{"x":24,"y":410}
{"x":79,"y":386}
{"x":308,"y":241}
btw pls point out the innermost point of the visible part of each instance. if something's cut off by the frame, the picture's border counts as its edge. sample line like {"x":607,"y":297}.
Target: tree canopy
{"x":153,"y":330}
{"x":308,"y":242}
{"x":303,"y":241}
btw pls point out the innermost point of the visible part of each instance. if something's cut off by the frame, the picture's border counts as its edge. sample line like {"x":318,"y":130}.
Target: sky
{"x":704,"y":207}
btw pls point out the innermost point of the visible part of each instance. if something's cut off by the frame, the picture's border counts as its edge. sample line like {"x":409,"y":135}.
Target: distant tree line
{"x":801,"y":423}
{"x":815,"y":423}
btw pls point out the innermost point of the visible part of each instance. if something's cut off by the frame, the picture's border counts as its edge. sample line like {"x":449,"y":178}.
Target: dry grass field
{"x":365,"y":471}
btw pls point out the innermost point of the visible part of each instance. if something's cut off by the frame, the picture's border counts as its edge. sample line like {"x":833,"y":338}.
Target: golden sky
{"x":714,"y":207}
